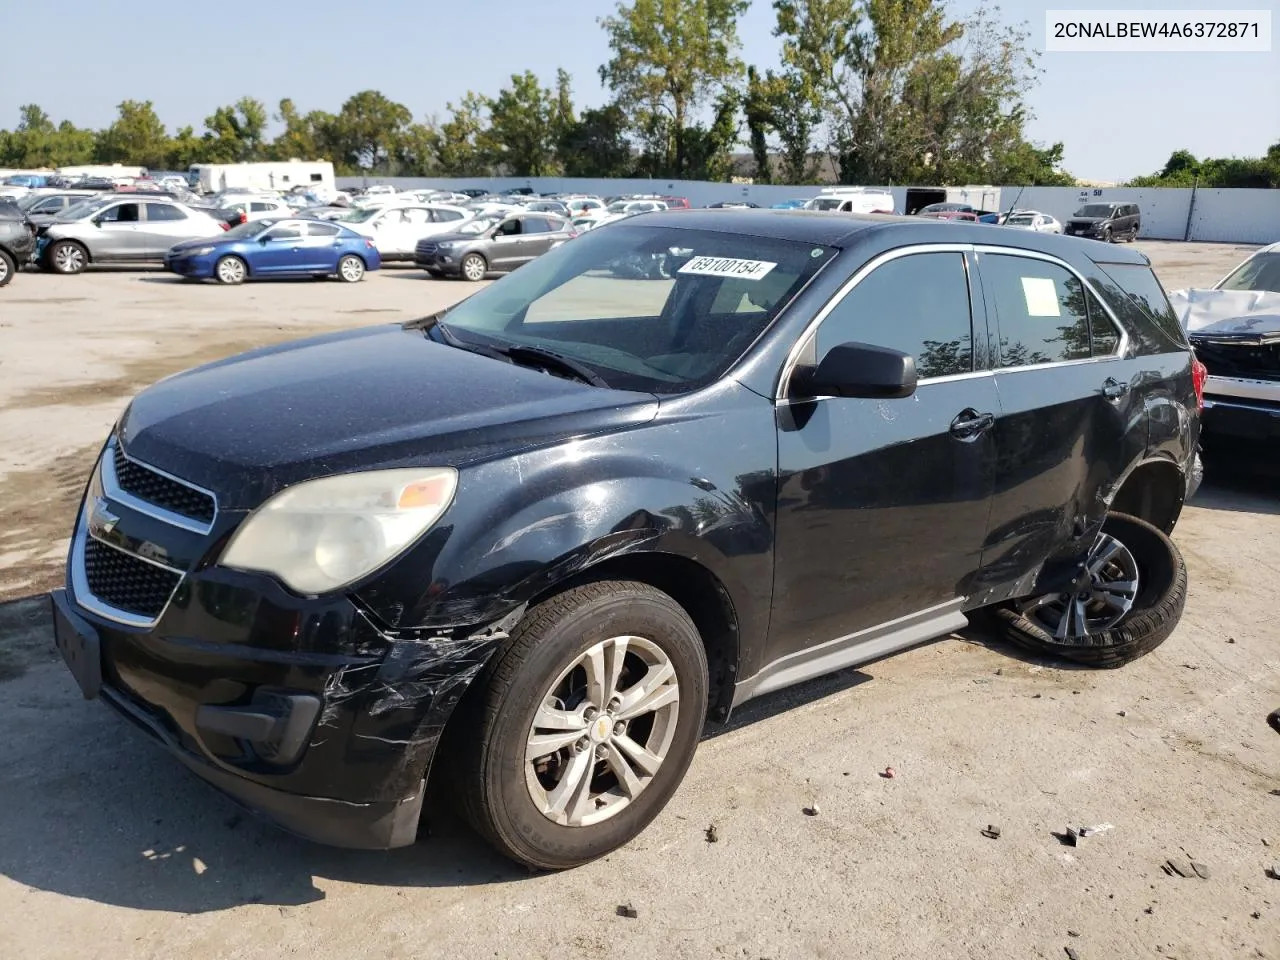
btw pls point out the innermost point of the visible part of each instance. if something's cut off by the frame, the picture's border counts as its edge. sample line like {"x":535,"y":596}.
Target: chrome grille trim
{"x":112,"y":489}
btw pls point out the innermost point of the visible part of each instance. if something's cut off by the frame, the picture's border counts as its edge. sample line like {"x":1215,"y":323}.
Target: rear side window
{"x":1141,"y":288}
{"x":321,"y":230}
{"x":1041,"y":309}
{"x":444,"y":216}
{"x":157,"y":212}
{"x":536,"y":225}
{"x":918,"y":304}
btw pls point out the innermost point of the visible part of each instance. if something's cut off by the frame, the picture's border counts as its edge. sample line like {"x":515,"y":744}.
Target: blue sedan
{"x":276,"y":248}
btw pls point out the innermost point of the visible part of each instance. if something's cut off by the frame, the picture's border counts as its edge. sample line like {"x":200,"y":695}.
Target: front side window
{"x":121,"y":213}
{"x":917,"y":304}
{"x":1041,"y":310}
{"x":648,"y":308}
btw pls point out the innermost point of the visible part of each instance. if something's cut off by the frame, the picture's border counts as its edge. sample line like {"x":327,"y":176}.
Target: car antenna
{"x":1014,"y":205}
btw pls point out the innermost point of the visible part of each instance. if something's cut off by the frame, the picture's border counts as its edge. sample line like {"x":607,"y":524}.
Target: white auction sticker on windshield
{"x":727,"y":267}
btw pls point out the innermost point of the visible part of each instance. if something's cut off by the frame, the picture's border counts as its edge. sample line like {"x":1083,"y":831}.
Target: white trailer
{"x":109,"y":171}
{"x":979,"y":197}
{"x":308,"y":174}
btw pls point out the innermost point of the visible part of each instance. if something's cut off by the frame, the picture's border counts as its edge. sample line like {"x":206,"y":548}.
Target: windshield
{"x":1095,"y":210}
{"x":1259,"y":272}
{"x":360,"y":215}
{"x":648,"y":308}
{"x":1020,"y":220}
{"x":478,"y":225}
{"x":619,"y":207}
{"x":250,"y":229}
{"x":945,"y":207}
{"x":84,"y":208}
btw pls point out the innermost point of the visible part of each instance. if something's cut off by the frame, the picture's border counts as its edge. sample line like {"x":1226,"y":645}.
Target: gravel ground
{"x":108,"y":849}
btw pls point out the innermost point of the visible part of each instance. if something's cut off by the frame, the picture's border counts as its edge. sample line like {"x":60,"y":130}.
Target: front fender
{"x":700,"y":488}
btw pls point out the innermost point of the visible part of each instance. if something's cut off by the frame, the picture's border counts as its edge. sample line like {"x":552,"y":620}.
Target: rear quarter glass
{"x":1139,"y":287}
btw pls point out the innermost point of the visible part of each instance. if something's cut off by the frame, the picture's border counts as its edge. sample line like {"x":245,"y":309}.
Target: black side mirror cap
{"x":857,"y":370}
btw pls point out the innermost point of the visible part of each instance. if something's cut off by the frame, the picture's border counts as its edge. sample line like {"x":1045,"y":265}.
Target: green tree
{"x":136,"y":137}
{"x":185,"y":148}
{"x":418,"y":154}
{"x":36,"y":142}
{"x":596,"y":144}
{"x":366,"y":132}
{"x":669,"y":57}
{"x":305,"y":137}
{"x":520,"y":138}
{"x":563,"y":116}
{"x":236,"y":133}
{"x":910,"y":93}
{"x":709,"y":150}
{"x":461,"y":151}
{"x":757,"y":109}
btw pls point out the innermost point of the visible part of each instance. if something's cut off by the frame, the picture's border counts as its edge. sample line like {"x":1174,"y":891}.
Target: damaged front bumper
{"x":304,"y":711}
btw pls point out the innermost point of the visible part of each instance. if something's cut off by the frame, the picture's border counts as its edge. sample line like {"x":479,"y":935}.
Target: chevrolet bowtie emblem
{"x":102,"y":521}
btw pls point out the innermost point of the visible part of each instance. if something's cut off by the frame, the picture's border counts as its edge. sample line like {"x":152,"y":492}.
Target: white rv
{"x":216,"y":177}
{"x":852,"y":200}
{"x":979,"y":198}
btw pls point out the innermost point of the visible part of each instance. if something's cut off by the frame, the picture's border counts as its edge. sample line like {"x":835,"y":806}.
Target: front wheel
{"x":7,"y":267}
{"x":230,"y":270}
{"x":1128,"y":599}
{"x":474,"y":267}
{"x":584,"y":724}
{"x":350,"y":269}
{"x":67,"y":256}
{"x":1106,"y":235}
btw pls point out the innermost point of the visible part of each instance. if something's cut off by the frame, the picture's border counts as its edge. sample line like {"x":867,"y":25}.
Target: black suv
{"x":524,"y":547}
{"x":17,"y":240}
{"x":1105,"y":221}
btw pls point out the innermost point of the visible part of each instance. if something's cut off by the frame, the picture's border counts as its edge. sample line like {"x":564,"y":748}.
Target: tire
{"x":504,"y":794}
{"x":1156,"y":609}
{"x":350,"y":269}
{"x":230,"y":270}
{"x":1106,"y":234}
{"x":68,"y":257}
{"x":474,"y":267}
{"x":8,"y":267}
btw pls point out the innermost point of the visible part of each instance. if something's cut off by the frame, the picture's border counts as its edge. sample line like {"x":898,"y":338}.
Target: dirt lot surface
{"x":109,"y":850}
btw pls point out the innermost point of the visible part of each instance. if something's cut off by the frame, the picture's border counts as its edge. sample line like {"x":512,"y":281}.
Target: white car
{"x":260,"y":208}
{"x":380,"y":189}
{"x":395,"y":230}
{"x":636,"y":206}
{"x":586,"y":207}
{"x":1033,"y":220}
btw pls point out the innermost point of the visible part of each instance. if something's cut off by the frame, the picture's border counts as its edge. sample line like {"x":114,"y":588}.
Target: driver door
{"x":507,"y":246}
{"x":883,"y":505}
{"x":119,"y":233}
{"x":280,"y":251}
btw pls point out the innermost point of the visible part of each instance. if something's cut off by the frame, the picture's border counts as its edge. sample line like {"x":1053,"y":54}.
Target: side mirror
{"x":857,"y":370}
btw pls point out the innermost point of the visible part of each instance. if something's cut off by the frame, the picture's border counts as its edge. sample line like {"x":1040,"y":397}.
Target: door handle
{"x":969,"y":424}
{"x":1113,"y":389}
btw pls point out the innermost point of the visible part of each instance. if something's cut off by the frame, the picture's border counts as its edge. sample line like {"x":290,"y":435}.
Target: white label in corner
{"x":727,"y":267}
{"x":1042,"y":297}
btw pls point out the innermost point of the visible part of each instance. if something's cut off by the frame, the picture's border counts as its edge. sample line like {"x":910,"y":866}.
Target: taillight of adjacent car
{"x":225,"y":226}
{"x":1199,"y":374}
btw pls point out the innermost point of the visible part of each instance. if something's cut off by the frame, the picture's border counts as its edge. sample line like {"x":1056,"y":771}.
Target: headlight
{"x":324,"y":534}
{"x":448,"y":245}
{"x":199,"y":252}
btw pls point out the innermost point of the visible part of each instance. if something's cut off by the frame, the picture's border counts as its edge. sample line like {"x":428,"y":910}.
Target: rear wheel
{"x":8,"y":267}
{"x":474,"y":267}
{"x":1128,"y":599}
{"x":67,"y":256}
{"x":230,"y":270}
{"x":584,"y":725}
{"x":350,"y":269}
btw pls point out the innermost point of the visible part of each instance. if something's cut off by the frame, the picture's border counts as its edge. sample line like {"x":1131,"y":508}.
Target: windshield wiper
{"x":514,"y":353}
{"x":537,"y":356}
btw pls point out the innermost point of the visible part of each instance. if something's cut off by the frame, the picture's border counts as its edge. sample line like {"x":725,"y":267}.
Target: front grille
{"x":1250,"y":361}
{"x":145,"y":484}
{"x":426,"y":249}
{"x":126,"y":582}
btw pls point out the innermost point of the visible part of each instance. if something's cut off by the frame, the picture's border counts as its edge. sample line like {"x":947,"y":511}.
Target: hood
{"x":1250,"y":312}
{"x":197,"y":244}
{"x":378,"y":397}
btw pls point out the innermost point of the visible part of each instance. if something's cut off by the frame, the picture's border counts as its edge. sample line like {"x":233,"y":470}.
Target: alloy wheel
{"x":68,"y":258}
{"x":602,"y":731}
{"x":1100,"y":599}
{"x":351,"y":268}
{"x":231,"y":270}
{"x":473,"y":267}
{"x":4,"y":271}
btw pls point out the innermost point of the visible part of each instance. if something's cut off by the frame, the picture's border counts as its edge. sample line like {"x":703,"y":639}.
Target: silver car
{"x":120,"y":229}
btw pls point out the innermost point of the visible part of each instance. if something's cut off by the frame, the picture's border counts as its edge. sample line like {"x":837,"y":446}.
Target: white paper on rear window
{"x":727,"y":267}
{"x":1041,"y":296}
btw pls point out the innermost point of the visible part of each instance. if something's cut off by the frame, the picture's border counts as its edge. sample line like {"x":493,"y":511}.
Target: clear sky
{"x":1118,"y":116}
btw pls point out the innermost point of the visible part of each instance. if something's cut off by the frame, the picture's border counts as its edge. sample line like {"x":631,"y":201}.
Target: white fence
{"x":1230,"y":216}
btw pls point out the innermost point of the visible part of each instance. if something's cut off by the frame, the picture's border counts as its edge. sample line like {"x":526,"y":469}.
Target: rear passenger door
{"x":319,"y":248}
{"x":540,"y":236}
{"x":1070,"y":419}
{"x":165,"y":225}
